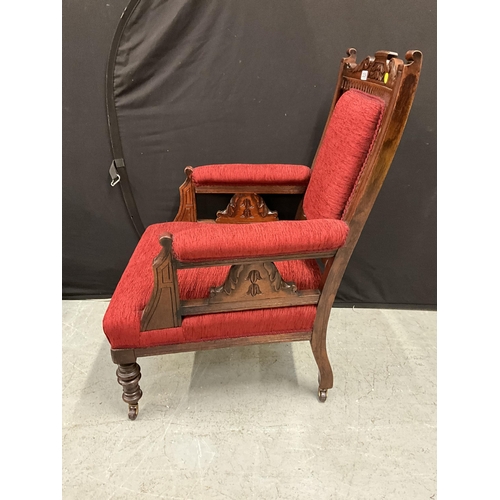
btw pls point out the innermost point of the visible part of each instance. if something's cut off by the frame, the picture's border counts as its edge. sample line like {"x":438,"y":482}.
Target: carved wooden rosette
{"x":162,"y":310}
{"x":245,"y":208}
{"x":256,"y":281}
{"x":187,"y":204}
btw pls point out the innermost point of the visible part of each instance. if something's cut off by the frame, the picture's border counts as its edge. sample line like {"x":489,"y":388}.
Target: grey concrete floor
{"x":245,"y":422}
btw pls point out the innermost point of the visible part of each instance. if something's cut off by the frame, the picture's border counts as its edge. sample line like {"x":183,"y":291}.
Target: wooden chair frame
{"x":383,"y":75}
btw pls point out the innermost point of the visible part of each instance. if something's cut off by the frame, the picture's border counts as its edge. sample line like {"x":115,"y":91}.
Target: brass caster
{"x":133,"y":411}
{"x":322,"y":393}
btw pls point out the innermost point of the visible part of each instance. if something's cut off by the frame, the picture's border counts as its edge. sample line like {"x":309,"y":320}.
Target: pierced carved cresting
{"x":377,"y":70}
{"x":382,"y":67}
{"x":244,"y":208}
{"x":258,"y":281}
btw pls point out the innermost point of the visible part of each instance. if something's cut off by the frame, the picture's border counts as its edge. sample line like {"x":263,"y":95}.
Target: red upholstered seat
{"x":343,"y":150}
{"x":121,"y":322}
{"x":249,"y":174}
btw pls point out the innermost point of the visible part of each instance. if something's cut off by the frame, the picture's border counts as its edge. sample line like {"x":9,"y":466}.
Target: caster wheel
{"x":322,"y":393}
{"x":133,"y":411}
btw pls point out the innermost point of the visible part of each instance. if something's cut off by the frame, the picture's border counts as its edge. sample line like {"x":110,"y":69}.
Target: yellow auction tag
{"x":386,"y":77}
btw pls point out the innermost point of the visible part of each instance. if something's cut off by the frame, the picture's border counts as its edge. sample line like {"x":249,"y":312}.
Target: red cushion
{"x":345,"y":144}
{"x":249,"y":174}
{"x":121,"y":322}
{"x":225,"y":241}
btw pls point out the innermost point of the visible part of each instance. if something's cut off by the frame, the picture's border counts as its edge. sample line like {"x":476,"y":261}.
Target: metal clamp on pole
{"x":113,"y":172}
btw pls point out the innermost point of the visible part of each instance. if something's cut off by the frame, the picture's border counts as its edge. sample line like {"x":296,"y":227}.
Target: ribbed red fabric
{"x":344,"y":147}
{"x":225,"y":241}
{"x":251,"y":174}
{"x":231,"y":325}
{"x":121,"y":322}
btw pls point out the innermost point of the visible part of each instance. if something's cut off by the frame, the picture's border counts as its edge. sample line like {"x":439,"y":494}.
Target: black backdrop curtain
{"x":218,"y":81}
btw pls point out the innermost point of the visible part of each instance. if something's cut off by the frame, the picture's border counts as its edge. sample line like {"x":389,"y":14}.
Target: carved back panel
{"x":376,"y":75}
{"x":396,"y":82}
{"x":388,"y":77}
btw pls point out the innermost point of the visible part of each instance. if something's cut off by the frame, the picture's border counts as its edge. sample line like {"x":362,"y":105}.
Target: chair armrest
{"x":250,"y":247}
{"x":212,"y":243}
{"x":239,"y":178}
{"x":263,"y":178}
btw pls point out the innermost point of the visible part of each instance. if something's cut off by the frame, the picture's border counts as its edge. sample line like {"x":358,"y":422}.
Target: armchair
{"x":232,"y":283}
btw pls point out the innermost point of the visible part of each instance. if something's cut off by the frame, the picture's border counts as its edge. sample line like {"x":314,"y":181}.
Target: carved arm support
{"x":187,"y":203}
{"x":246,"y":206}
{"x":163,"y":308}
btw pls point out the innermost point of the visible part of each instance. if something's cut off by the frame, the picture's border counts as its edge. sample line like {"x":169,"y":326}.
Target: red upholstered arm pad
{"x":209,"y":242}
{"x":251,"y":174}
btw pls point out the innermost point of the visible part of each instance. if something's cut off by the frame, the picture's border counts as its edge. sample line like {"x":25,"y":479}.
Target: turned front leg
{"x":128,"y":377}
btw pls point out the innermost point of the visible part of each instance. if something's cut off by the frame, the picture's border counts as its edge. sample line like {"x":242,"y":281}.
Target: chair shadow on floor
{"x":171,"y":381}
{"x":256,"y":367}
{"x":252,"y":374}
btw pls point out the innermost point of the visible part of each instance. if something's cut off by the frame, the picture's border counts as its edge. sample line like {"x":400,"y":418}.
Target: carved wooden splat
{"x":376,"y":75}
{"x":245,"y":208}
{"x":382,"y":67}
{"x":256,"y":281}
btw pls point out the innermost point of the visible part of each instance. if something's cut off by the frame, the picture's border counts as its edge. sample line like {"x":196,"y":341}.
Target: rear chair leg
{"x":325,"y":376}
{"x":128,"y":377}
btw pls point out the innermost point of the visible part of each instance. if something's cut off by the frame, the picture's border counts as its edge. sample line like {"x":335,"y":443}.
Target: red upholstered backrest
{"x":344,"y":147}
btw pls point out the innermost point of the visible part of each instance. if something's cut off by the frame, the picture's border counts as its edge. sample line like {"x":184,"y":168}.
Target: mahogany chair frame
{"x":383,"y":75}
